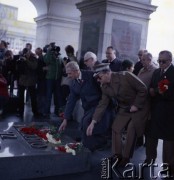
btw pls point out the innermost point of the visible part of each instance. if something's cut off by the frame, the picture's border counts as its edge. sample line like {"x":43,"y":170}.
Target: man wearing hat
{"x":85,"y":87}
{"x":131,"y":94}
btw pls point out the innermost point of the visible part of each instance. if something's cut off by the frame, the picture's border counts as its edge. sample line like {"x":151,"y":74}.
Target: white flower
{"x":69,"y":150}
{"x":166,"y":86}
{"x":52,"y":140}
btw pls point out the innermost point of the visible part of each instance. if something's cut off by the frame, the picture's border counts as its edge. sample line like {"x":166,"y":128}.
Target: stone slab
{"x":18,"y":160}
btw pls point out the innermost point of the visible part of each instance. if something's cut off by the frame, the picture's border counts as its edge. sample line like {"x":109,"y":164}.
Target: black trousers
{"x":100,"y":130}
{"x":32,"y":92}
{"x":167,"y":153}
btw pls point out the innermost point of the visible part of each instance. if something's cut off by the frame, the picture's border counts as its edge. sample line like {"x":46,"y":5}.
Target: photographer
{"x":21,"y":63}
{"x":53,"y":77}
{"x":9,"y":69}
{"x":27,"y":68}
{"x":41,"y":81}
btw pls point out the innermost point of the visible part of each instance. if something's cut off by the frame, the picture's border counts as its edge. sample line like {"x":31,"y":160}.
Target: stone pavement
{"x":97,"y":170}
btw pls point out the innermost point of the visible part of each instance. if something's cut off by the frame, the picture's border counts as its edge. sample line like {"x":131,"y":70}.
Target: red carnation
{"x":61,"y":148}
{"x":163,"y":85}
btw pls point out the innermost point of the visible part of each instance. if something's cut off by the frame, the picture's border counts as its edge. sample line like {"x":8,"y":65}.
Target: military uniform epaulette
{"x":123,"y":73}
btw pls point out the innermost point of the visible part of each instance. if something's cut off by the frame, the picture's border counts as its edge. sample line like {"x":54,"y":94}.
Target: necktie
{"x":79,"y":81}
{"x":162,"y":72}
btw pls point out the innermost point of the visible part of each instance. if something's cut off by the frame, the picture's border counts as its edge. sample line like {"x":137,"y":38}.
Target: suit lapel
{"x":168,"y":71}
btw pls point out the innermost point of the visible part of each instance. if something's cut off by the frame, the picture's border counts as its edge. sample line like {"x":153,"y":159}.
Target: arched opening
{"x":26,"y":10}
{"x":17,"y":25}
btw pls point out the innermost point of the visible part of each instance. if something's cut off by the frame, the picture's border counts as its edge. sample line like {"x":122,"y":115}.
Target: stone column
{"x":120,"y":23}
{"x":57,"y":21}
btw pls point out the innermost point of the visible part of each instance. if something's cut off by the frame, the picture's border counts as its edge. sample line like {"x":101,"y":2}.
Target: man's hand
{"x":90,"y":128}
{"x":63,"y":125}
{"x":152,"y":92}
{"x":133,"y":108}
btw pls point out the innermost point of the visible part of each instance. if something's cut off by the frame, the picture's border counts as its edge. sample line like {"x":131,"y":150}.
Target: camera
{"x":23,"y":54}
{"x":65,"y":59}
{"x":55,"y":48}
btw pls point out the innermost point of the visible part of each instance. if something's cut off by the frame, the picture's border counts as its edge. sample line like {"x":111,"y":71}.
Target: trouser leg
{"x":32,"y":92}
{"x":168,"y":157}
{"x":117,"y":130}
{"x":49,"y":91}
{"x":21,"y":90}
{"x":130,"y":141}
{"x":116,"y":143}
{"x":151,"y":148}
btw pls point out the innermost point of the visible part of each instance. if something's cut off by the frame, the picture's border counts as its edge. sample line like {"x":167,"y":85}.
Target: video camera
{"x":54,"y":48}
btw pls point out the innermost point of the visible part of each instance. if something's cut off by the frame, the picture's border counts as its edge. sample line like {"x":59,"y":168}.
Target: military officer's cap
{"x":100,"y":68}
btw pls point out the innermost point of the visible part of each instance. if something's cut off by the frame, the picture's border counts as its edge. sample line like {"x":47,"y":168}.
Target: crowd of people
{"x":40,"y":74}
{"x":116,"y":96}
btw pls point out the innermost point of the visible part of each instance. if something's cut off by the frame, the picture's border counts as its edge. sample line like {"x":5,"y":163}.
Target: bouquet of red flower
{"x":50,"y":135}
{"x":33,"y":131}
{"x":163,"y":85}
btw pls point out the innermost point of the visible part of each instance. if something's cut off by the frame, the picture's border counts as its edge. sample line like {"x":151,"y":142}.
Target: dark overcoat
{"x":90,"y":94}
{"x":161,"y":125}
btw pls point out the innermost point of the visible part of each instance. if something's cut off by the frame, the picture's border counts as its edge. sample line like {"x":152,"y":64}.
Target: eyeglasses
{"x":99,"y":77}
{"x":86,"y":60}
{"x":162,"y":61}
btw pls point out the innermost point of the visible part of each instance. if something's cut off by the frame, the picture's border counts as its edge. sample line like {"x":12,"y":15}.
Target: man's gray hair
{"x":167,"y":53}
{"x":148,"y":55}
{"x":90,"y":54}
{"x":72,"y":66}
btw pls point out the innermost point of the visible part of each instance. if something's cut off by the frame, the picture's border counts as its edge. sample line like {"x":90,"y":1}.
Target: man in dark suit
{"x":115,"y":64}
{"x":162,"y":114}
{"x":85,"y":87}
